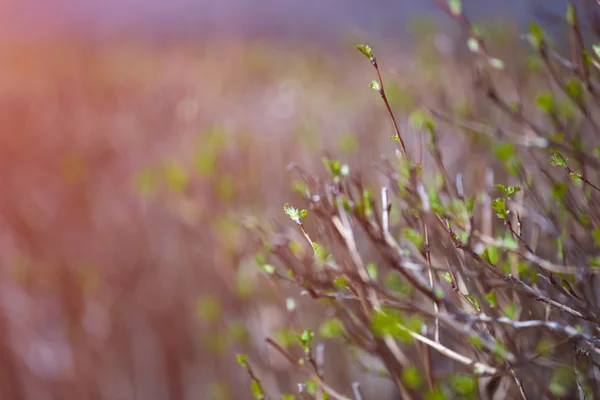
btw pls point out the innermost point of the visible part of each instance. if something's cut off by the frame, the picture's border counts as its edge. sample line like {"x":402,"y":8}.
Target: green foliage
{"x":415,"y":237}
{"x":513,"y":270}
{"x":331,"y":328}
{"x":412,"y":377}
{"x":176,"y":176}
{"x":463,"y":384}
{"x":421,"y":119}
{"x":537,"y":36}
{"x":390,"y":322}
{"x":473,"y":45}
{"x":545,"y":348}
{"x":305,"y":339}
{"x":499,"y":205}
{"x":208,"y":309}
{"x":575,"y":89}
{"x":256,"y":390}
{"x":545,"y":102}
{"x":295,"y":214}
{"x":373,"y":271}
{"x":558,"y":159}
{"x":562,"y":381}
{"x":509,"y":191}
{"x":507,"y":153}
{"x":455,"y":7}
{"x":365,"y":50}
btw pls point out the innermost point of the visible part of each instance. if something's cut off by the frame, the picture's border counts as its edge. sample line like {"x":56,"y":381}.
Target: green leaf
{"x":208,"y":309}
{"x":562,"y":381}
{"x":421,"y":119}
{"x":176,"y":177}
{"x":499,"y":205}
{"x":490,"y":254}
{"x":537,"y":35}
{"x":311,"y":387}
{"x":394,"y":282}
{"x":558,"y":159}
{"x":447,"y":277}
{"x":296,"y":215}
{"x":559,"y":191}
{"x":372,"y":271}
{"x":594,"y":262}
{"x":390,"y":322}
{"x":414,"y":237}
{"x":545,"y":347}
{"x":455,"y":7}
{"x":305,"y":339}
{"x":596,"y":236}
{"x":365,"y":50}
{"x":506,"y":152}
{"x":473,"y":45}
{"x":206,"y":162}
{"x":463,"y":384}
{"x":496,"y":63}
{"x":290,"y":304}
{"x":510,"y":310}
{"x":575,"y":89}
{"x":534,"y":64}
{"x":571,"y":14}
{"x":285,"y":337}
{"x":288,"y":397}
{"x":576,"y":177}
{"x":491,"y":298}
{"x":509,"y":242}
{"x":474,"y":301}
{"x":596,"y":49}
{"x":412,"y":377}
{"x":269,"y":269}
{"x":321,"y":252}
{"x":545,"y":102}
{"x":508,"y":191}
{"x":242,"y":360}
{"x":335,"y":168}
{"x":435,"y":394}
{"x":477,"y":342}
{"x":331,"y":328}
{"x":256,"y":390}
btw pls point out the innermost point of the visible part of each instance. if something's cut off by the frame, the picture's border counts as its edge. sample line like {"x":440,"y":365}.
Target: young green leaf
{"x":296,"y":215}
{"x":575,"y":89}
{"x":596,"y":48}
{"x":571,"y":14}
{"x":242,"y":360}
{"x":537,"y":35}
{"x":412,"y":377}
{"x":473,"y":45}
{"x":365,"y":50}
{"x":558,"y":159}
{"x":455,"y":7}
{"x":499,"y":205}
{"x":375,"y":86}
{"x":545,"y":102}
{"x":331,"y":328}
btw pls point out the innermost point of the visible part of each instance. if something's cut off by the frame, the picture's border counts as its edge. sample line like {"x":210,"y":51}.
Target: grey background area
{"x":205,"y":18}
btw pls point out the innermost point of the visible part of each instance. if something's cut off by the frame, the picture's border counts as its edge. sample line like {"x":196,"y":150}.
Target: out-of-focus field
{"x":125,"y":167}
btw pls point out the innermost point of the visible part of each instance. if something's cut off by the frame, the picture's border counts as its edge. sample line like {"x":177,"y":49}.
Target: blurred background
{"x":134,"y":136}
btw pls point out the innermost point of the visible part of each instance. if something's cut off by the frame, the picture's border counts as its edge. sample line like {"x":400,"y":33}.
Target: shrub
{"x":460,"y":293}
